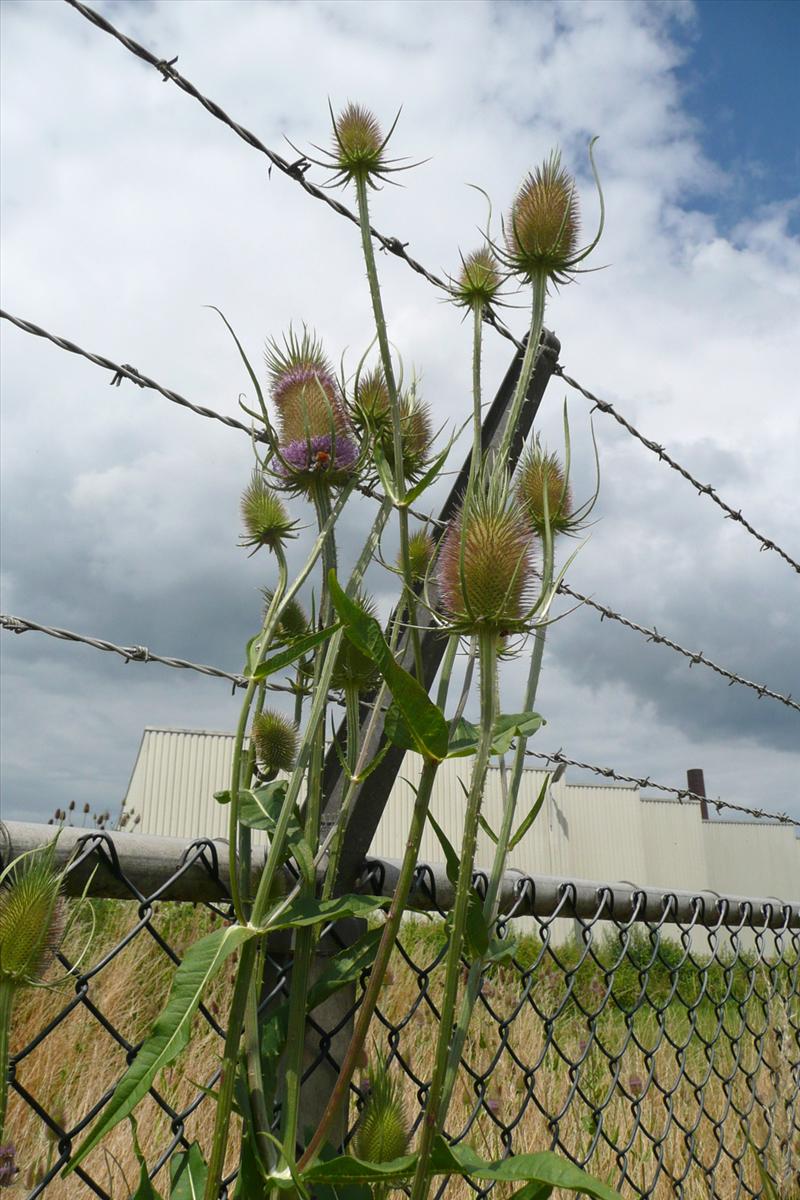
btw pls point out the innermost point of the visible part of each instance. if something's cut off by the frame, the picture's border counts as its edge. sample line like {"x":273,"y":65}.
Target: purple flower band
{"x":318,"y":454}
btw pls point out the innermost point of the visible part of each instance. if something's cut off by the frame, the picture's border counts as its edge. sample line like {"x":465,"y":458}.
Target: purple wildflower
{"x":318,"y":456}
{"x":635,"y":1085}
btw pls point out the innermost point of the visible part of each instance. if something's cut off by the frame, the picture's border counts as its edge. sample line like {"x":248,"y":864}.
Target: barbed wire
{"x":652,"y":635}
{"x":694,"y":656}
{"x":393,"y":245}
{"x":681,"y":794}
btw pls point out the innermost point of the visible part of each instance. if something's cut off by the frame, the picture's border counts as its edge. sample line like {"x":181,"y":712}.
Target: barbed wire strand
{"x":694,"y":656}
{"x":682,"y":794}
{"x":128,"y":372}
{"x":393,"y":245}
{"x":142,"y":654}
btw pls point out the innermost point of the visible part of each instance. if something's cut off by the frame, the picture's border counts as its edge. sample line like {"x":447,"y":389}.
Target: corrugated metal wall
{"x":583,"y":832}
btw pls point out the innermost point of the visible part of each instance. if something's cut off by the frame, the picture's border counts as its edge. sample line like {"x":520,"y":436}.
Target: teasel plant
{"x":487,"y":580}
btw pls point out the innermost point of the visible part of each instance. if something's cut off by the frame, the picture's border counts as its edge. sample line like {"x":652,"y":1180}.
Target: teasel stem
{"x":490,"y":906}
{"x":230,"y":1062}
{"x":271,"y":620}
{"x":434,"y":1113}
{"x":477,"y":413}
{"x":305,"y":938}
{"x":370,"y":999}
{"x":532,"y":348}
{"x":394,"y":402}
{"x":7,"y":989}
{"x":245,"y":838}
{"x":255,"y":1077}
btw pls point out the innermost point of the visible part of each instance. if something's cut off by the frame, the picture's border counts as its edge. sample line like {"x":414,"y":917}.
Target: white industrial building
{"x":603,"y":832}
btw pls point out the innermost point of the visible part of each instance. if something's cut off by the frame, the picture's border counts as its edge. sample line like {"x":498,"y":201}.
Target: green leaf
{"x":425,"y":721}
{"x":464,"y":739}
{"x":308,"y":910}
{"x":223,"y":797}
{"x":171,"y":1031}
{"x":345,"y":1170}
{"x":533,"y":1191}
{"x":501,"y":949}
{"x":477,"y":931}
{"x":452,"y":861}
{"x":260,"y":808}
{"x":295,"y":649}
{"x":188,"y":1174}
{"x":486,"y":827}
{"x":428,"y":478}
{"x":531,"y":817}
{"x":145,"y":1190}
{"x":345,"y":966}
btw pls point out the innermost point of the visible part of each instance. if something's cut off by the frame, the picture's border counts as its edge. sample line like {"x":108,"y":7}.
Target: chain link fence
{"x":650,"y":1036}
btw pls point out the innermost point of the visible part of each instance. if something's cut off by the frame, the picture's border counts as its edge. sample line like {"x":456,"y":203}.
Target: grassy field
{"x":719,"y":1024}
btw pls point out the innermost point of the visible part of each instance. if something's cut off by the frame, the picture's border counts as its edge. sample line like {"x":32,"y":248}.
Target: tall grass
{"x":635,"y":1067}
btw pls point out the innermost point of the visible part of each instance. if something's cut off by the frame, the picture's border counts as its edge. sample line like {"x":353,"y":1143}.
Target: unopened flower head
{"x":275,"y":739}
{"x":372,"y":397}
{"x":32,"y":917}
{"x":373,"y":411}
{"x":485,"y":567}
{"x":541,"y":474}
{"x":421,"y":549}
{"x":479,"y":280}
{"x":294,"y":620}
{"x":266,"y":520}
{"x":541,"y":232}
{"x":383,"y":1132}
{"x":304,"y":389}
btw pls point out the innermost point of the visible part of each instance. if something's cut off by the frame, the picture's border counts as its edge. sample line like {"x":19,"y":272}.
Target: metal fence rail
{"x":652,"y":1036}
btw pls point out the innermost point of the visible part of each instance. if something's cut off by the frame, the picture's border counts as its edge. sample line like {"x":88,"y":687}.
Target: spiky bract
{"x":485,"y":565}
{"x":358,"y":145}
{"x":421,"y":549}
{"x":275,"y":739}
{"x":373,"y":411}
{"x":542,"y":229}
{"x":304,"y":389}
{"x":479,"y":280}
{"x":266,"y":520}
{"x":383,"y":1132}
{"x":32,"y":917}
{"x":541,"y":474}
{"x":353,"y":669}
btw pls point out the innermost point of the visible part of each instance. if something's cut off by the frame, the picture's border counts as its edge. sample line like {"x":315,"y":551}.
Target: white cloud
{"x":127,"y":207}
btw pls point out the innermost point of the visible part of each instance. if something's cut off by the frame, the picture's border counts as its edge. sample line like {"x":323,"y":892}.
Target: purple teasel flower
{"x":8,"y":1164}
{"x":318,"y":456}
{"x":635,"y":1085}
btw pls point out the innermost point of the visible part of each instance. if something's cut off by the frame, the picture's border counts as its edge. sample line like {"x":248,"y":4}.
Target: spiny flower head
{"x":421,"y":549}
{"x":304,"y":389}
{"x":479,"y":280}
{"x":486,"y":564}
{"x":266,"y":520}
{"x":372,"y":397}
{"x":383,"y":1132}
{"x":373,"y":410}
{"x":541,"y":474}
{"x":32,"y":917}
{"x":322,"y":459}
{"x":294,"y":621}
{"x":275,"y":739}
{"x":353,"y":669}
{"x":359,"y":147}
{"x":541,"y":233}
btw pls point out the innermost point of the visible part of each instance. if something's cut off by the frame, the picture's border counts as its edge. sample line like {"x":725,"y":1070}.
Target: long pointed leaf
{"x":531,"y":817}
{"x":296,"y":649}
{"x":307,"y":910}
{"x":171,"y":1031}
{"x":188,"y":1174}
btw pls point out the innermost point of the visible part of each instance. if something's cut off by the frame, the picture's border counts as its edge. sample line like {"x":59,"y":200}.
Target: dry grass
{"x":70,"y":1070}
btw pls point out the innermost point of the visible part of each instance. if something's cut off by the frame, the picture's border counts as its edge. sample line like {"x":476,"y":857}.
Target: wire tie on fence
{"x":296,"y":169}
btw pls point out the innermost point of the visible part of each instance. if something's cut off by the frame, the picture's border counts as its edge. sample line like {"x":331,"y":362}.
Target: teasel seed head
{"x":266,"y":520}
{"x":542,"y":229}
{"x":294,"y":621}
{"x":275,"y":739}
{"x":32,"y":917}
{"x":304,"y":389}
{"x":373,"y":410}
{"x":479,"y":280}
{"x":541,"y":473}
{"x":485,"y":566}
{"x":358,"y":149}
{"x":421,"y":549}
{"x":353,"y":669}
{"x":383,"y":1131}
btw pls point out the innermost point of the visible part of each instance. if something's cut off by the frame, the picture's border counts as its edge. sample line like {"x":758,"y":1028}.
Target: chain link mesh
{"x":663,"y":1055}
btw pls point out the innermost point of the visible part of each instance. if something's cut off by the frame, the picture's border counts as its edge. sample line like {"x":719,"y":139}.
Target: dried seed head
{"x":541,"y":473}
{"x":485,"y":566}
{"x":266,"y":520}
{"x":421,"y":549}
{"x":353,"y":669}
{"x":479,"y":279}
{"x":383,"y":1132}
{"x":275,"y":738}
{"x":32,"y":918}
{"x":542,"y":229}
{"x":358,"y":144}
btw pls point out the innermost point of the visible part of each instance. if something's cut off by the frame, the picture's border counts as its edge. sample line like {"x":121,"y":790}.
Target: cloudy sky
{"x":127,"y":209}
